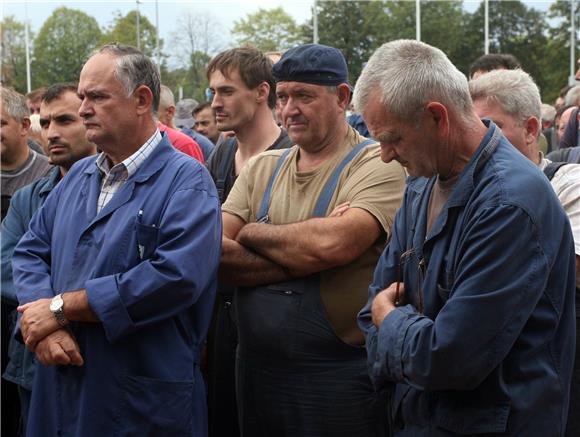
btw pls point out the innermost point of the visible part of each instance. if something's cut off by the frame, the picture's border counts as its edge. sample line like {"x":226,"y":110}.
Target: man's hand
{"x":339,"y":209}
{"x":37,"y":322}
{"x":386,"y":301}
{"x":59,"y":348}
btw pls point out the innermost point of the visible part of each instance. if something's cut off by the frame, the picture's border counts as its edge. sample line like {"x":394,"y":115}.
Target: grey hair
{"x":548,"y":112}
{"x":406,"y":74}
{"x":134,"y":69}
{"x":166,"y":98}
{"x":514,"y":90}
{"x":573,"y":96}
{"x":14,"y":104}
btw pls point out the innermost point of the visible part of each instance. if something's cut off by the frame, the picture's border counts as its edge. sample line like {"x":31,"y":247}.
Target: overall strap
{"x":330,"y":187}
{"x":263,"y":212}
{"x":574,"y":155}
{"x":224,"y":167}
{"x":285,"y":143}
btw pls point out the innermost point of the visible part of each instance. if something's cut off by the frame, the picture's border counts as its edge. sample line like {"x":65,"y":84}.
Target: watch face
{"x":56,"y":304}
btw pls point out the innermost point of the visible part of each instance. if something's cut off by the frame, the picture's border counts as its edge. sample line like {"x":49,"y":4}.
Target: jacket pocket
{"x":147,"y":239}
{"x":155,"y":407}
{"x":471,"y":417}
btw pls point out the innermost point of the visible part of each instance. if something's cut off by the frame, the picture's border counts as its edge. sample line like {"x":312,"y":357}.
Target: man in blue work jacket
{"x":470,"y":318}
{"x":116,"y":274}
{"x":64,"y":132}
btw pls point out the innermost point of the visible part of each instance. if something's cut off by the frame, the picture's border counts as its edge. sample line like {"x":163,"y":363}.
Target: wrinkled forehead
{"x":99,"y":69}
{"x":294,"y":87}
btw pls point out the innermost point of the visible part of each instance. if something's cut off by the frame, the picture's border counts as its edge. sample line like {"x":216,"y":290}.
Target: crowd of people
{"x":295,"y":257}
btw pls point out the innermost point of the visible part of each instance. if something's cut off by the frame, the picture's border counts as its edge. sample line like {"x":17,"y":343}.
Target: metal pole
{"x":572,"y":79}
{"x":26,"y":24}
{"x":418,"y":20}
{"x":157,"y":34}
{"x":138,"y":25}
{"x":315,"y":23}
{"x":486,"y":27}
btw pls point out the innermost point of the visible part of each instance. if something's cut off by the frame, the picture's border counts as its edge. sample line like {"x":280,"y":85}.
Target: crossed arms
{"x":256,"y":253}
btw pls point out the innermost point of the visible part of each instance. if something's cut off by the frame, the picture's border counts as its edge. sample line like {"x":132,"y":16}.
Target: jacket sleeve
{"x":31,"y":260}
{"x":385,"y":274}
{"x":496,"y":289}
{"x":183,"y":266}
{"x":13,"y":228}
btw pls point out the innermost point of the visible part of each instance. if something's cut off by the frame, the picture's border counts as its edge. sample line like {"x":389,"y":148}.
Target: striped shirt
{"x":115,"y":177}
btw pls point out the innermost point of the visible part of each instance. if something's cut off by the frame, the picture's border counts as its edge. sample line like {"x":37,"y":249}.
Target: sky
{"x":224,"y":12}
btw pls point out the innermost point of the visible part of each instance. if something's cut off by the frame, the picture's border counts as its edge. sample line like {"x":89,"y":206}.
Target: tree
{"x":64,"y":42}
{"x":556,"y":63}
{"x":360,"y":31}
{"x":267,"y":30}
{"x":13,"y":54}
{"x":518,"y":30}
{"x":367,"y":25}
{"x":124,"y":30}
{"x":195,"y":40}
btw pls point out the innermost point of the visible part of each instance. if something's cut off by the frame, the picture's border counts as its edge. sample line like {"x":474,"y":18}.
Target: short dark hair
{"x":494,"y":61}
{"x":36,"y":94}
{"x":253,"y":65}
{"x":200,"y":108}
{"x":56,"y":90}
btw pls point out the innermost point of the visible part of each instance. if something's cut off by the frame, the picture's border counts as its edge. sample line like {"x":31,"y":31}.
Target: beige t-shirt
{"x":366,"y":182}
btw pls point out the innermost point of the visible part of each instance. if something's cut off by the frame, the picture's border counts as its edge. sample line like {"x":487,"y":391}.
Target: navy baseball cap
{"x":312,"y":63}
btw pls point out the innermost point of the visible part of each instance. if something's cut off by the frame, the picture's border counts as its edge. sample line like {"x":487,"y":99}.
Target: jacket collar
{"x":53,"y":178}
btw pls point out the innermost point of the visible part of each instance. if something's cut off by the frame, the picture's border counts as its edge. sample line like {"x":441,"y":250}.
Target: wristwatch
{"x":57,"y":308}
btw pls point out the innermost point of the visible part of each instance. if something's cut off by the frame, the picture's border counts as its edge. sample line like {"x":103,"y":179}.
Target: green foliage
{"x":514,"y":28}
{"x":64,"y":42}
{"x":267,"y":30}
{"x":13,"y":54}
{"x":540,"y":41}
{"x":192,"y":79}
{"x":556,"y":65}
{"x":124,"y":30}
{"x":356,"y":36}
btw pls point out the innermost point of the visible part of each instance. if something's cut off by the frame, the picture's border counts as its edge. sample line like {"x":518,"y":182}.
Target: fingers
{"x":59,"y":348}
{"x":36,"y":322}
{"x":57,"y":354}
{"x":340,"y":209}
{"x":23,"y":308}
{"x":71,"y":348}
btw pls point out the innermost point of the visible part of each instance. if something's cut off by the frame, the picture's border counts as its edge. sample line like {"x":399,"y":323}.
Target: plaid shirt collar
{"x":129,"y":166}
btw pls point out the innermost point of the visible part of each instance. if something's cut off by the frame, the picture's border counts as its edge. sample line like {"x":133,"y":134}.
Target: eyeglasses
{"x":422,"y":267}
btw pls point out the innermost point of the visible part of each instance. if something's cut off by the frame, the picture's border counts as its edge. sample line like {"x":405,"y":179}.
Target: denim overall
{"x":295,"y":376}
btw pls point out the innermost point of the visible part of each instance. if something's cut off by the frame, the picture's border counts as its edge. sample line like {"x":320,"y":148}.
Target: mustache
{"x":56,"y":143}
{"x":296,"y":119}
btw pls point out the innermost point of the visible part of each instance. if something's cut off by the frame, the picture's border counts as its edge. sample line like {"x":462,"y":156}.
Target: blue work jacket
{"x":149,"y":264}
{"x":493,"y":349}
{"x":23,"y":205}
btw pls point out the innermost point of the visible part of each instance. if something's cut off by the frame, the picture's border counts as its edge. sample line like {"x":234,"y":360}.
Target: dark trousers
{"x":222,"y":341}
{"x":10,"y":400}
{"x":573,"y":424}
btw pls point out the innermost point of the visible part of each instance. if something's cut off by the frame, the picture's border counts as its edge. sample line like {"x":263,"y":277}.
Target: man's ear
{"x":344,"y":94}
{"x":144,"y":99}
{"x":262,"y":92}
{"x":532,"y":126}
{"x":437,"y":113}
{"x":24,"y":126}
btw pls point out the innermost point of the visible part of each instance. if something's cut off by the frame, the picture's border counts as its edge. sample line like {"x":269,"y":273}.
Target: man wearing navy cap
{"x":302,"y":230}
